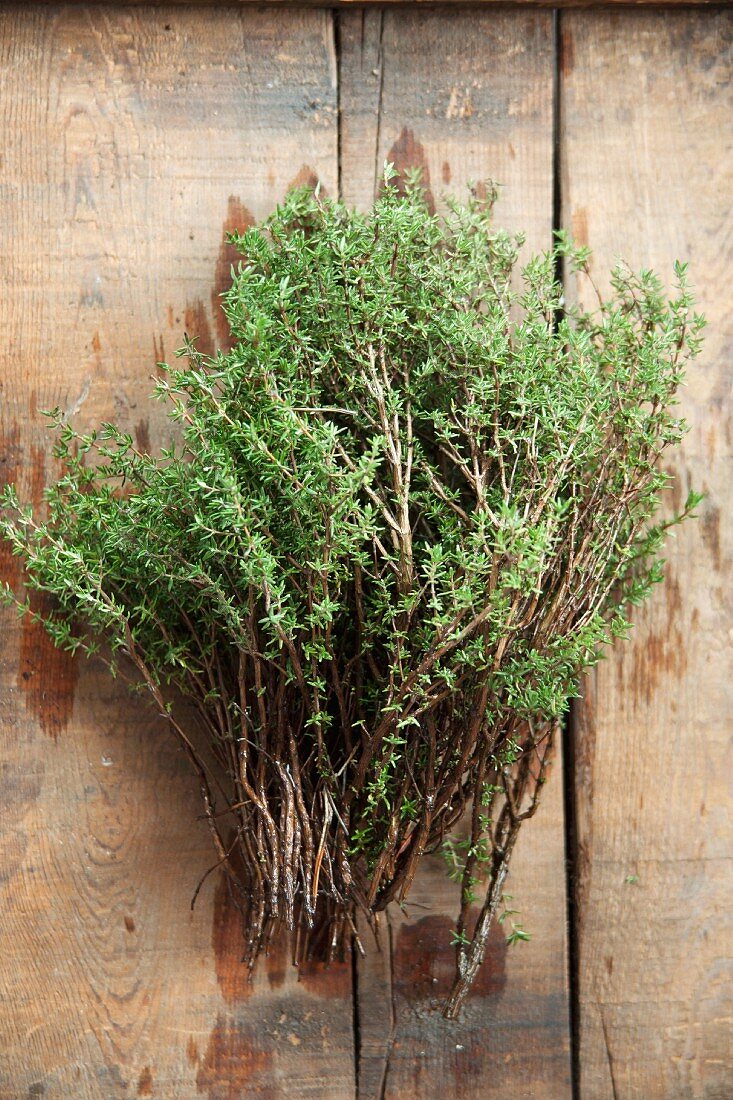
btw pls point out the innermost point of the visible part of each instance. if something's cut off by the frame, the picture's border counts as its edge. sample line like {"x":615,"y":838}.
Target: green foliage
{"x":398,"y":520}
{"x":517,"y":933}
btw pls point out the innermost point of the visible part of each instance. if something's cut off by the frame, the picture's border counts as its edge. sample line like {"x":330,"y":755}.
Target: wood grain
{"x":647,"y":174}
{"x":131,"y":141}
{"x":432,"y":4}
{"x":464,"y":98}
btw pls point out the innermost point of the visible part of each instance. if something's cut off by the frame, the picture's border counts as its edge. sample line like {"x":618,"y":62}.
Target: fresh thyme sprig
{"x":400,"y":518}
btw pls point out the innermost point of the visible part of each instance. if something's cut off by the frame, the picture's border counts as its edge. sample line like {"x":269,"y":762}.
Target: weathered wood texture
{"x":431,"y":4}
{"x":131,"y":140}
{"x":463,"y":98}
{"x":648,"y":173}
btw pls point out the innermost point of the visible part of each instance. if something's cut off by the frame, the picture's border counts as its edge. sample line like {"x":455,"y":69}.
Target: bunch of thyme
{"x":399,"y":519}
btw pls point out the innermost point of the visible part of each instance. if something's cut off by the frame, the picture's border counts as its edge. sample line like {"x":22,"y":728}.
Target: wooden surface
{"x":432,"y":4}
{"x":132,"y":140}
{"x":648,"y":172}
{"x":481,"y":108}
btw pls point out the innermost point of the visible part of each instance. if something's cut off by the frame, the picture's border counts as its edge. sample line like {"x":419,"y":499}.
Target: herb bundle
{"x":400,"y":518}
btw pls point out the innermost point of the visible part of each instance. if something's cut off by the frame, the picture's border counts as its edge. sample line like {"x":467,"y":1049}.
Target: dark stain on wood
{"x":197,"y":326}
{"x":158,"y":353}
{"x":91,"y":297}
{"x":663,"y":652}
{"x":145,"y":1083}
{"x":407,"y":154}
{"x":227,"y":939}
{"x":142,"y":436}
{"x":424,"y":961}
{"x":192,"y":1051}
{"x":238,"y":219}
{"x":236,"y":1063}
{"x":46,"y":675}
{"x":305,"y":177}
{"x":707,"y":55}
{"x":710,"y":525}
{"x":579,"y":223}
{"x":276,"y":962}
{"x":326,"y":979}
{"x":567,"y":52}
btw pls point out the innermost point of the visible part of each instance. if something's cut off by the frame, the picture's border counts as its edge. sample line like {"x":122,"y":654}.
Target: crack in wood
{"x":609,"y":1057}
{"x":380,"y":100}
{"x":393,"y":1014}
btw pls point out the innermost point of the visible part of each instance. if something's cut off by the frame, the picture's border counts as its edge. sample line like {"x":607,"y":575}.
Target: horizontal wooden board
{"x":428,"y":4}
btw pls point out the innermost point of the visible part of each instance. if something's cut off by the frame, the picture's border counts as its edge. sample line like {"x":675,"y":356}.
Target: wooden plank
{"x":647,"y":174}
{"x":432,"y":4}
{"x":131,"y":141}
{"x":465,"y":97}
